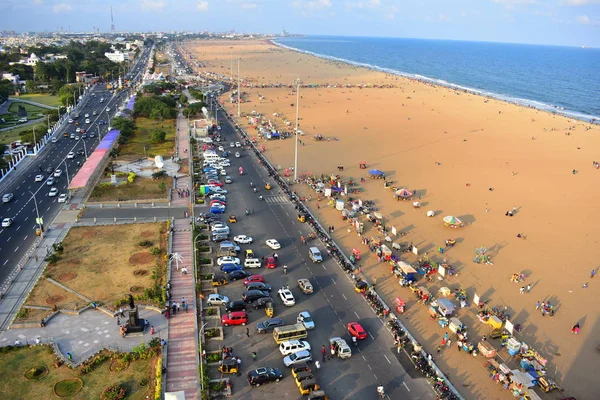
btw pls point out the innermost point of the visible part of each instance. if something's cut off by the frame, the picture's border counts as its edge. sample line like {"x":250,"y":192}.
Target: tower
{"x":112,"y":22}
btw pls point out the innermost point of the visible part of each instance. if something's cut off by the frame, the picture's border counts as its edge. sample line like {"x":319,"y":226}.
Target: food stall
{"x":486,"y":349}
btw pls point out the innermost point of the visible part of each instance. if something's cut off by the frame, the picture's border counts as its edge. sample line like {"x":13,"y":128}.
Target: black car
{"x":49,"y":170}
{"x":268,"y":325}
{"x":263,"y":375}
{"x":240,"y":274}
{"x":259,"y":286}
{"x":251,"y":295}
{"x":236,"y":305}
{"x":262,"y":302}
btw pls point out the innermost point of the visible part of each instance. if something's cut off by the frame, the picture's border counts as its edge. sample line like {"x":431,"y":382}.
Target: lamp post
{"x":37,"y":212}
{"x":84,"y":148}
{"x":297,"y":82}
{"x":34,"y":141}
{"x":66,"y":171}
{"x":202,"y":360}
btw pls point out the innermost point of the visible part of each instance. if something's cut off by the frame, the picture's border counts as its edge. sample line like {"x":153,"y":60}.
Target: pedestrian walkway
{"x":182,"y":351}
{"x":276,"y":199}
{"x":182,"y":184}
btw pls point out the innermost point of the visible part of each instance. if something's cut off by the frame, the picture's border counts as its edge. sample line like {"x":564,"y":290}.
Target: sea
{"x":559,"y":79}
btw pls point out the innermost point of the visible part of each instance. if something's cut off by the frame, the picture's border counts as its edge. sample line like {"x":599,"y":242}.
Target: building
{"x":32,"y":60}
{"x":117,"y":56}
{"x":200,"y":128}
{"x":83,"y":77}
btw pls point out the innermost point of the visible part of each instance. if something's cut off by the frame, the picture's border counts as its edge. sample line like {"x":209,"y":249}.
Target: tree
{"x":125,"y":125}
{"x":158,"y":136}
{"x":6,"y":89}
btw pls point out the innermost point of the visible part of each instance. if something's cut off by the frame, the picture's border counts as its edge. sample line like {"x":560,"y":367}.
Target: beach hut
{"x":404,"y":193}
{"x":452,"y":221}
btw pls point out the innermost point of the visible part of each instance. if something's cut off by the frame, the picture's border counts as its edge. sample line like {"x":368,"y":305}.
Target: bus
{"x":289,"y":332}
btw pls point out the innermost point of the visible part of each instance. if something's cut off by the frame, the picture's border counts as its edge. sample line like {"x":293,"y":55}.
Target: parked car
{"x":305,"y":319}
{"x":265,"y":287}
{"x":263,"y":375}
{"x":217,"y":299}
{"x":228,"y":260}
{"x":230,"y":267}
{"x":292,"y":346}
{"x":268,"y":325}
{"x":242,"y":239}
{"x":237,"y":275}
{"x":262,"y":302}
{"x":251,"y":295}
{"x":254,"y":278}
{"x":235,"y":318}
{"x":236,"y":305}
{"x":298,"y":357}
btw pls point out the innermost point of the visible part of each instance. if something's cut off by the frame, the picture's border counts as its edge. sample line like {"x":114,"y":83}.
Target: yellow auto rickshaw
{"x":268,"y":186}
{"x":308,"y":386}
{"x":318,"y":395}
{"x":229,"y":366}
{"x":269,"y":309}
{"x":360,"y":286}
{"x":303,"y":376}
{"x":219,"y":280}
{"x":301,"y":217}
{"x":232,"y":219}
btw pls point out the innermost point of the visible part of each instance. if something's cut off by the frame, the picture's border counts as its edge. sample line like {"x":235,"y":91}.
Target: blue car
{"x":225,"y":154}
{"x":227,"y":268}
{"x":217,"y":210}
{"x":209,"y":169}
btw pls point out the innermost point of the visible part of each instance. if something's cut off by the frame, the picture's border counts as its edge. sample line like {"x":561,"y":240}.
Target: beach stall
{"x":445,"y":307}
{"x":376,"y":174}
{"x":403,"y":193}
{"x":452,"y":222}
{"x":407,"y":271}
{"x":486,"y":349}
{"x":456,"y":326}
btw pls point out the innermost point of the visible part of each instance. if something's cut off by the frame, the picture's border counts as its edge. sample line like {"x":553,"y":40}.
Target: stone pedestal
{"x":134,"y":323}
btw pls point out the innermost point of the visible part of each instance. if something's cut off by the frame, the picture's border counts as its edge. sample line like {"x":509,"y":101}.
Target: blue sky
{"x":555,"y":22}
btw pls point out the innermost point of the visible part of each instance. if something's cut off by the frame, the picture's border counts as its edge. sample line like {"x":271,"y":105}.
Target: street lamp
{"x":67,"y":171}
{"x":37,"y":212}
{"x":202,"y":359}
{"x":85,"y":148}
{"x":34,"y":142}
{"x":297,"y":82}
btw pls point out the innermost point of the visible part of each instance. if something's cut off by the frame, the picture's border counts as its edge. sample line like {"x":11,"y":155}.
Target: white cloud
{"x":510,"y":4}
{"x":153,"y":4}
{"x":38,"y":2}
{"x":577,"y":3}
{"x":202,"y":5}
{"x":363,"y":4}
{"x":583,"y":19}
{"x":391,"y":13}
{"x":312,"y":5}
{"x":62,"y":8}
{"x":248,"y":6}
{"x":463,"y":14}
{"x":442,"y":18}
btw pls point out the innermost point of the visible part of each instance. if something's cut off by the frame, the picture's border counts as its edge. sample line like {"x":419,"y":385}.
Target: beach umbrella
{"x":376,"y":172}
{"x":403,"y":193}
{"x":453,"y":221}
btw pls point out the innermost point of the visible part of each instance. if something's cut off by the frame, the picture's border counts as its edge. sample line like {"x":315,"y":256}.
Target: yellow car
{"x":249,"y":253}
{"x":232,"y":219}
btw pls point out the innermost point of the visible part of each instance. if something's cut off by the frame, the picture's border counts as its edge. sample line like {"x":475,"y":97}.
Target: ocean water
{"x":553,"y":78}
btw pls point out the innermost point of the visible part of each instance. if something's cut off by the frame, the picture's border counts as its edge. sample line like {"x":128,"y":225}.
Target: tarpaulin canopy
{"x":376,"y":172}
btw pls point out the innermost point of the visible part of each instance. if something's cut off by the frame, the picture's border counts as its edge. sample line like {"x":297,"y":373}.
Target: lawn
{"x":106,"y":263}
{"x":134,"y":148}
{"x":140,"y":189}
{"x":47,"y":294}
{"x":9,"y":136}
{"x":14,"y":364}
{"x":46,"y":99}
{"x":31,"y":109}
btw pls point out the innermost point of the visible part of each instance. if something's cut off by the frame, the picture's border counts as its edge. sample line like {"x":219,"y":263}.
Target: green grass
{"x":9,"y":136}
{"x":134,"y":148}
{"x":31,"y":109}
{"x":140,"y":189}
{"x":46,"y":99}
{"x":16,"y":363}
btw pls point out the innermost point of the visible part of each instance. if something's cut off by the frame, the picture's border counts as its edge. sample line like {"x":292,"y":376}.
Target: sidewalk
{"x":182,"y":351}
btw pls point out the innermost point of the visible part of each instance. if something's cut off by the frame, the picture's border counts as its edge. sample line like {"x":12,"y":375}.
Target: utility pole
{"x":297,"y":82}
{"x":34,"y":141}
{"x":37,"y":213}
{"x":239,"y":102}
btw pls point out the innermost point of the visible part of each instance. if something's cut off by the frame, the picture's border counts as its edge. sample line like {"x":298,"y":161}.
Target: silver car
{"x":299,"y":357}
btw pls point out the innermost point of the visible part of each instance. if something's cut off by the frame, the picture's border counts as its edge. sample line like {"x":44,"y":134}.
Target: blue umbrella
{"x":376,"y":172}
{"x":336,"y":189}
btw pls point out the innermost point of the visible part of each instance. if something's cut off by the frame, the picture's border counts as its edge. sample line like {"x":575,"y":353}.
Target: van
{"x":22,"y":120}
{"x":211,"y":157}
{"x":315,"y":255}
{"x":252,"y":263}
{"x":221,"y":231}
{"x":291,"y":346}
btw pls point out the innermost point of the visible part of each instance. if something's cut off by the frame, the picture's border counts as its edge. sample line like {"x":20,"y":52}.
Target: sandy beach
{"x":468,"y":156}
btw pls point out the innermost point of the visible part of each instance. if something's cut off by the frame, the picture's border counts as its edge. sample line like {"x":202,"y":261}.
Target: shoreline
{"x":525,"y":103}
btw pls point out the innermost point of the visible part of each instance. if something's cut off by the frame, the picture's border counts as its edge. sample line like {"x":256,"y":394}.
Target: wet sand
{"x":467,"y":156}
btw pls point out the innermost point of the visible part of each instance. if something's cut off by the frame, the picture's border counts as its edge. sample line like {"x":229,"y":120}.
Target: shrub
{"x":159,"y":174}
{"x":23,"y":313}
{"x":114,"y":392}
{"x":158,"y":136}
{"x":211,"y":311}
{"x":158,"y":388}
{"x":131,"y":177}
{"x":155,"y":251}
{"x":52,"y":259}
{"x":146,"y":243}
{"x":104,"y":184}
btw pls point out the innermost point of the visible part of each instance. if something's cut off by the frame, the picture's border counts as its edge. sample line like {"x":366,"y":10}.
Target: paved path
{"x":85,"y":334}
{"x":182,"y":350}
{"x":183,"y":148}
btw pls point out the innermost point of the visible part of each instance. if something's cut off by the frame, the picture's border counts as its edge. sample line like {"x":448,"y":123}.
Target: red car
{"x":356,"y":330}
{"x":215,"y":183}
{"x":254,"y":278}
{"x":271,"y":262}
{"x":235,"y":318}
{"x":82,"y":131}
{"x":218,"y":201}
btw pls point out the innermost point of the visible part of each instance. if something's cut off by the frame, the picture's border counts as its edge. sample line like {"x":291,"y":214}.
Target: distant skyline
{"x":549,"y":22}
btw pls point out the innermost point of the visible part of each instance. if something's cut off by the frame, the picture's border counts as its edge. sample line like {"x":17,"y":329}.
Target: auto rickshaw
{"x":303,"y":376}
{"x":229,"y":366}
{"x":219,"y":280}
{"x":301,"y":217}
{"x":269,"y":309}
{"x":547,"y":385}
{"x":317,"y":395}
{"x":308,"y":386}
{"x":232,"y":219}
{"x":268,"y":186}
{"x":360,"y":286}
{"x":296,"y":369}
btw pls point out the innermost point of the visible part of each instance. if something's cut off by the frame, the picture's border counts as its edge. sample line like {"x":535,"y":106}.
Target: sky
{"x":551,"y":22}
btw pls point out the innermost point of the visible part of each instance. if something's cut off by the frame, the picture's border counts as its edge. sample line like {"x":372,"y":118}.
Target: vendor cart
{"x":494,"y":322}
{"x":423,"y":294}
{"x":486,"y":349}
{"x":446,"y":307}
{"x":407,"y":271}
{"x":456,"y":325}
{"x":400,"y":305}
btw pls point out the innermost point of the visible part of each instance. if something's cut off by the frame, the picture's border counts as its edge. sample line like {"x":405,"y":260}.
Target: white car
{"x":57,"y":173}
{"x":238,"y":144}
{"x":218,"y":190}
{"x":63,"y":199}
{"x":78,"y":130}
{"x":218,"y":225}
{"x":227,"y":260}
{"x":50,"y":181}
{"x":231,"y":144}
{"x":70,"y":120}
{"x":221,"y":148}
{"x":273,"y":244}
{"x":39,"y":178}
{"x":286,"y":297}
{"x":53,"y":192}
{"x":225,"y":163}
{"x":292,"y":346}
{"x":217,"y":299}
{"x":242,"y":239}
{"x":71,"y":155}
{"x":223,"y":172}
{"x":54,"y":140}
{"x":228,"y":179}
{"x":217,"y":197}
{"x":6,"y":222}
{"x":305,"y":319}
{"x":299,"y":357}
{"x":87,"y":115}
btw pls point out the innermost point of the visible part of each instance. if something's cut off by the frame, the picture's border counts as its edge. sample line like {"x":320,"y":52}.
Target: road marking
{"x":388,"y":360}
{"x":404,"y":383}
{"x":8,"y":240}
{"x":357,"y":316}
{"x":369,"y":367}
{"x":323,"y":265}
{"x":364,"y":358}
{"x":334,"y":282}
{"x":5,"y":262}
{"x":372,"y":337}
{"x":376,"y":377}
{"x":17,"y":248}
{"x":18,"y":227}
{"x":26,"y":236}
{"x":344,"y":297}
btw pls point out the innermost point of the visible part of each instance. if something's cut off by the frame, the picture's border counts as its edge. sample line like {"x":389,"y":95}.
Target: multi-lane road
{"x":16,"y":239}
{"x":333,"y":305}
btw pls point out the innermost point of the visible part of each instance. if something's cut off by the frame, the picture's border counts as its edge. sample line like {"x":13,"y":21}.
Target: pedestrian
{"x":183,"y":301}
{"x":537,"y":305}
{"x":118,"y":321}
{"x":163,"y":342}
{"x":186,"y":307}
{"x":459,"y":345}
{"x":174,"y":309}
{"x":69,"y":355}
{"x":446,"y":336}
{"x":528,"y":288}
{"x":592,"y":274}
{"x":522,"y":290}
{"x":254,"y":356}
{"x":239,"y":363}
{"x":323,"y":352}
{"x":36,"y":258}
{"x":439,"y":348}
{"x":178,"y":306}
{"x":318,"y":365}
{"x":247,"y":332}
{"x":575,"y":329}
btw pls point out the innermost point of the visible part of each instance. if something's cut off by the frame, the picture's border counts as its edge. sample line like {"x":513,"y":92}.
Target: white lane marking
{"x":334,"y":282}
{"x":344,"y":297}
{"x":369,"y":367}
{"x":388,"y":360}
{"x":404,"y":383}
{"x":8,"y":240}
{"x":17,"y":248}
{"x":26,"y":218}
{"x":18,"y":227}
{"x":5,"y":262}
{"x":357,"y":316}
{"x":372,"y":337}
{"x":364,"y":358}
{"x":376,"y":377}
{"x":26,"y":236}
{"x":323,"y":265}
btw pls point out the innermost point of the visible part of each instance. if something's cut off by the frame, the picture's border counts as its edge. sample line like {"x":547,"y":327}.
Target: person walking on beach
{"x":537,"y":305}
{"x":522,"y":290}
{"x":592,"y":274}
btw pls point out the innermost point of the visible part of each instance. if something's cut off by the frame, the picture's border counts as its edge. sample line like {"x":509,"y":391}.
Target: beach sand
{"x":467,"y":156}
